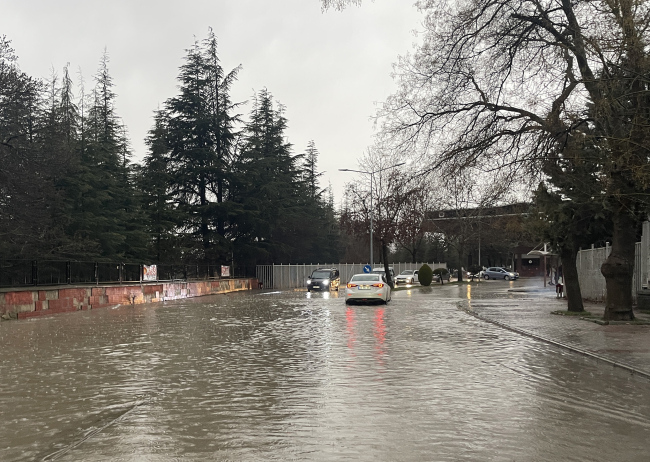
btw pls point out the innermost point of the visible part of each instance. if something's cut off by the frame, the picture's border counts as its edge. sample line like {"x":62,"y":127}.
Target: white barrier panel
{"x":295,"y":276}
{"x":592,"y":281}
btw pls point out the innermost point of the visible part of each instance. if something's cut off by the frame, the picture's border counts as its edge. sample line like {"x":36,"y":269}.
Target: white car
{"x":366,"y":288}
{"x":382,"y":271}
{"x":407,"y":277}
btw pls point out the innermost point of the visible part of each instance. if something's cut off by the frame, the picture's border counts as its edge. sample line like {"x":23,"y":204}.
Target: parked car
{"x":407,"y":277}
{"x":381,"y":270}
{"x":445,"y":277}
{"x":367,"y":288}
{"x":499,"y":273}
{"x":324,"y":279}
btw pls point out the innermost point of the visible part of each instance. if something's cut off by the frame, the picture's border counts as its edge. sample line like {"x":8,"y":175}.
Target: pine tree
{"x":200,"y":138}
{"x":267,"y":181}
{"x":311,"y":174}
{"x":154,"y":180}
{"x":104,"y":209}
{"x":26,"y":169}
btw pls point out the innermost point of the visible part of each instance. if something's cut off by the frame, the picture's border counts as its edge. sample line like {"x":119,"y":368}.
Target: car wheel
{"x":486,"y":277}
{"x":308,"y":289}
{"x":507,"y":278}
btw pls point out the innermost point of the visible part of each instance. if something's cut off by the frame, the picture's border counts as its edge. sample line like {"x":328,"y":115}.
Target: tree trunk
{"x":221,"y":228}
{"x":460,"y":263}
{"x":570,"y":279}
{"x":204,"y":219}
{"x":618,"y":269}
{"x":384,"y":254}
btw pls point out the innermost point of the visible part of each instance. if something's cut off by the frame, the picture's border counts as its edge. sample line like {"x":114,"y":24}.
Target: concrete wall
{"x":26,"y":303}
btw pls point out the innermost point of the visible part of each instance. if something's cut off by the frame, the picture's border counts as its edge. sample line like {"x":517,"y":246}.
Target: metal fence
{"x":295,"y":276}
{"x":592,"y":281}
{"x":19,"y":273}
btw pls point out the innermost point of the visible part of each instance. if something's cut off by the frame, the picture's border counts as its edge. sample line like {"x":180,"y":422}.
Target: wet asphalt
{"x":277,"y":375}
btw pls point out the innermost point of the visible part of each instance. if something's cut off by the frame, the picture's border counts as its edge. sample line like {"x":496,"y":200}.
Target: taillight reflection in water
{"x":380,"y":334}
{"x":350,"y":327}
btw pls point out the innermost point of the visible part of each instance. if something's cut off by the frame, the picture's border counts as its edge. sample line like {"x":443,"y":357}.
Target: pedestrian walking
{"x":559,"y":287}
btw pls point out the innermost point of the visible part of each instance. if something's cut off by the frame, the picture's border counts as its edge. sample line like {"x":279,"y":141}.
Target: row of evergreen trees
{"x":213,"y":186}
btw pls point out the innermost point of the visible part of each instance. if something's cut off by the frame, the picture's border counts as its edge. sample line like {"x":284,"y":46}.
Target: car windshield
{"x":320,"y":275}
{"x":364,"y":278}
{"x":407,"y":272}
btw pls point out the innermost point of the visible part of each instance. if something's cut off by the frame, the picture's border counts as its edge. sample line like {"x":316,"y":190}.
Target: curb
{"x":564,"y":346}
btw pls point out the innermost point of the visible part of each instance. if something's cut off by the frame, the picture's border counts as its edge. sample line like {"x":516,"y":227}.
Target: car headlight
{"x":326,"y":281}
{"x":308,"y":281}
{"x":512,"y":275}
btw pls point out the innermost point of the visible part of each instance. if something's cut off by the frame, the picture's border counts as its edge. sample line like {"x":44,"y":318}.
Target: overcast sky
{"x":329,"y":69}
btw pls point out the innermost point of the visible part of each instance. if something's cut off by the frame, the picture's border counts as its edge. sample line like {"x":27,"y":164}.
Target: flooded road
{"x":302,"y":376}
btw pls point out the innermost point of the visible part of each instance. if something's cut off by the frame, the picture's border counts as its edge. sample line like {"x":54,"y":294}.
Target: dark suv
{"x":324,"y":279}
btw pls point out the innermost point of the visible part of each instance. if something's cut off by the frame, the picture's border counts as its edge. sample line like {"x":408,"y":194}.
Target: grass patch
{"x":398,"y":288}
{"x":433,"y":284}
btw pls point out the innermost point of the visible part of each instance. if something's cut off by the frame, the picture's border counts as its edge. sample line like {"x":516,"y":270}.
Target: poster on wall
{"x":149,"y":273}
{"x":225,"y":271}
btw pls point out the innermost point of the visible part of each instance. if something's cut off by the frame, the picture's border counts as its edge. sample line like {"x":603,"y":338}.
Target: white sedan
{"x":407,"y":277}
{"x":367,"y":287}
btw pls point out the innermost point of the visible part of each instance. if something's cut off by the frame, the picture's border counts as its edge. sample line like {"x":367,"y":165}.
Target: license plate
{"x":316,"y":287}
{"x":364,"y":287}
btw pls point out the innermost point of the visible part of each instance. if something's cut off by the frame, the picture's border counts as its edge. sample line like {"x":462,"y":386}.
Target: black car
{"x":324,"y":279}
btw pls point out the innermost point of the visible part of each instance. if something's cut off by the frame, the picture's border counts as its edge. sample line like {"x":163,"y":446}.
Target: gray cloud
{"x":328,"y":69}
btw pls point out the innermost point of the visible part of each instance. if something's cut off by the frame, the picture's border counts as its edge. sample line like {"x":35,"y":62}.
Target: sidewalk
{"x":525,"y":307}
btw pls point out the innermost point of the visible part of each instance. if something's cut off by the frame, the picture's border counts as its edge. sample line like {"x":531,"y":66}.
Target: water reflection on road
{"x":297,"y":375}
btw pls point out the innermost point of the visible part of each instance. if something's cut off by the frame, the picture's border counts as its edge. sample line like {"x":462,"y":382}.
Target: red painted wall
{"x":28,"y":303}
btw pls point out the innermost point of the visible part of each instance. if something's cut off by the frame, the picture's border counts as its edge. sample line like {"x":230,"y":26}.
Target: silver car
{"x":499,"y":273}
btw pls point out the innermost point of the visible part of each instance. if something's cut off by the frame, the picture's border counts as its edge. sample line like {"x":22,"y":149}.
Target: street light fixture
{"x":372,"y":173}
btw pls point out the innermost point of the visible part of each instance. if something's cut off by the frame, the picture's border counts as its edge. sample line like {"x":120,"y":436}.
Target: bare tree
{"x":412,"y":227}
{"x":461,"y":211}
{"x":391,"y":190}
{"x":505,"y":84}
{"x":338,"y":4}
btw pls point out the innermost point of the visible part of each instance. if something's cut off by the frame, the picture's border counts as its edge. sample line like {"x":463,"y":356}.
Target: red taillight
{"x":350,"y":286}
{"x":378,"y":285}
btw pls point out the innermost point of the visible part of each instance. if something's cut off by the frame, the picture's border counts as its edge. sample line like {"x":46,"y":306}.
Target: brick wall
{"x":28,"y":303}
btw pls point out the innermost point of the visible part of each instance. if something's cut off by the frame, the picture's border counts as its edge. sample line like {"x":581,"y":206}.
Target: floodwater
{"x":302,"y":376}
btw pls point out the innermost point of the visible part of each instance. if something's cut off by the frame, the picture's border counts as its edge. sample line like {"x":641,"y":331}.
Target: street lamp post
{"x":372,"y":173}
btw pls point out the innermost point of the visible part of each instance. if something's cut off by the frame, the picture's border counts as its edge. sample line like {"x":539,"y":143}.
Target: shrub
{"x":425,"y":275}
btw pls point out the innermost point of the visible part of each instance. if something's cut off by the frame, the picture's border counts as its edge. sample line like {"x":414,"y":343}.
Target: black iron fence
{"x":19,"y":273}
